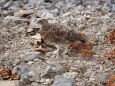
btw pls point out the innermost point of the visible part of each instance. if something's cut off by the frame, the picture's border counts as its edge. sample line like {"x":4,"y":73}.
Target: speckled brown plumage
{"x":58,"y":34}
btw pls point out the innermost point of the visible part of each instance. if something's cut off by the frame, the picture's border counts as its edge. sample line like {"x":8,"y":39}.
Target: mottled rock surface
{"x":23,"y":50}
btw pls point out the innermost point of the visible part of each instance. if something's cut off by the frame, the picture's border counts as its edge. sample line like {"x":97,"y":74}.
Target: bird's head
{"x":44,"y":24}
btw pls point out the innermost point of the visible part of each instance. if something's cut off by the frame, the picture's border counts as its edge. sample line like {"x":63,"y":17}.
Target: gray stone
{"x":55,"y":12}
{"x":102,"y":77}
{"x":106,"y":9}
{"x":113,"y":8}
{"x":25,"y":1}
{"x":62,"y":81}
{"x":91,"y":2}
{"x":112,"y":1}
{"x":52,"y":70}
{"x":81,"y":26}
{"x":77,"y":2}
{"x":31,"y":74}
{"x":7,"y":13}
{"x":21,"y":71}
{"x":31,"y":56}
{"x":3,"y":2}
{"x":8,"y":4}
{"x":60,"y":4}
{"x":33,"y":24}
{"x":24,"y":77}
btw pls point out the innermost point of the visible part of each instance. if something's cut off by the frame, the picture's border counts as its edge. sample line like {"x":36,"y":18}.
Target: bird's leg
{"x":64,"y":47}
{"x":65,"y":50}
{"x":55,"y":53}
{"x":57,"y":49}
{"x":50,"y":45}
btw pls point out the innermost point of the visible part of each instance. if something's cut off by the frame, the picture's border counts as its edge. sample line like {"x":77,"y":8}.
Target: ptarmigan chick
{"x":58,"y":34}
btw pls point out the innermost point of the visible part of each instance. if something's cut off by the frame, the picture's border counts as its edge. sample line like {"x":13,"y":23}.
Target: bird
{"x":57,"y":34}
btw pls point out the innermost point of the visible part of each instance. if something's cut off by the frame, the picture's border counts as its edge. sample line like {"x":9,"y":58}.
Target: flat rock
{"x":22,"y":13}
{"x":60,"y":80}
{"x":30,"y":56}
{"x":52,"y":70}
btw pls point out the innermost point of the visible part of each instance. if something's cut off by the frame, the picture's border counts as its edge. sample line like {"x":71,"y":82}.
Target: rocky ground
{"x":95,"y":18}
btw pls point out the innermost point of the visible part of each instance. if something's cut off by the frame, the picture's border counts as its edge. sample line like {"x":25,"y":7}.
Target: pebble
{"x":30,"y":74}
{"x":30,"y":63}
{"x":104,"y":28}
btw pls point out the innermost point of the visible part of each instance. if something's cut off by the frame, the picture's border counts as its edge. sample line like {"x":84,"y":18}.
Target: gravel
{"x":18,"y":18}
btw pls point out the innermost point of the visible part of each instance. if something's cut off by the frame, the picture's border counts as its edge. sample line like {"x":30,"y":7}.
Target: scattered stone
{"x":23,"y":13}
{"x":78,"y":2}
{"x":7,"y":5}
{"x":47,"y":15}
{"x":21,"y":71}
{"x":30,"y":56}
{"x":30,"y":74}
{"x":71,"y":75}
{"x":60,"y":80}
{"x":33,"y":26}
{"x":103,"y":77}
{"x":7,"y":13}
{"x":37,"y":37}
{"x":52,"y":70}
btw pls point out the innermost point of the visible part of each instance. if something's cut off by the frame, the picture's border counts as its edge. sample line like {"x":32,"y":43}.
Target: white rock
{"x":37,"y":36}
{"x":34,"y":24}
{"x":104,"y":28}
{"x":31,"y":56}
{"x":23,"y":12}
{"x":31,"y":74}
{"x":30,"y":63}
{"x":47,"y":15}
{"x":70,"y":74}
